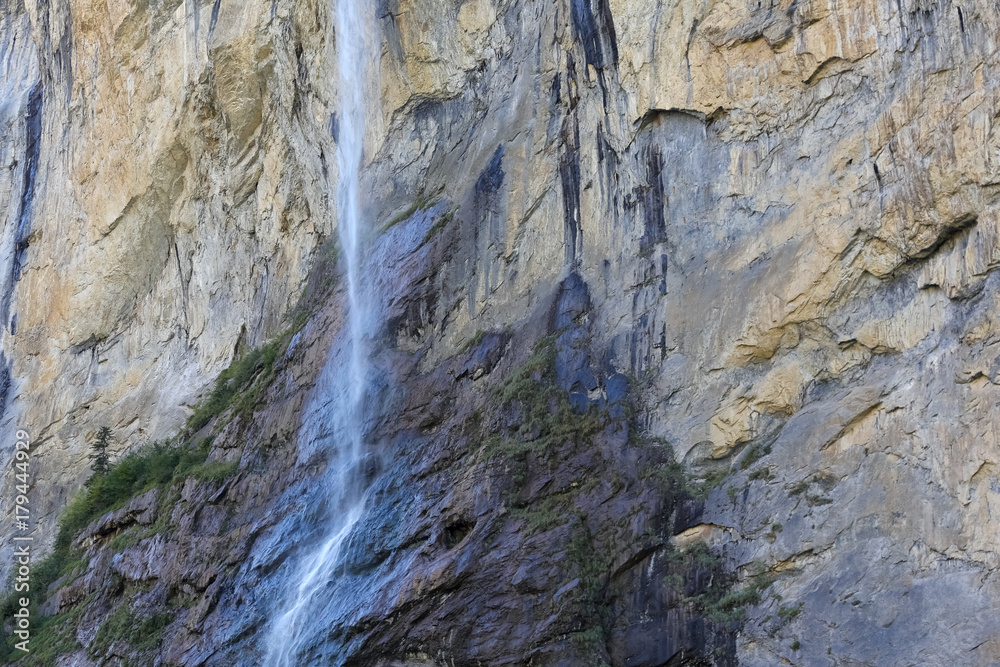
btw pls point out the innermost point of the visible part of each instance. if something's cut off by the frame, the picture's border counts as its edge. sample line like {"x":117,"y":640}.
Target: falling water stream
{"x":336,"y":415}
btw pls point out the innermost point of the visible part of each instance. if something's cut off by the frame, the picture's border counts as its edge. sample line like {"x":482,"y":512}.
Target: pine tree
{"x":100,"y":459}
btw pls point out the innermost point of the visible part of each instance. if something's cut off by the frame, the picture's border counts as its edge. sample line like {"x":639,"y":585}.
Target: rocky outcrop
{"x":141,"y":510}
{"x":764,"y":235}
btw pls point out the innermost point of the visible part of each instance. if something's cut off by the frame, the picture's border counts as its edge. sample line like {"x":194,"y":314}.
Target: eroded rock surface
{"x":770,"y":231}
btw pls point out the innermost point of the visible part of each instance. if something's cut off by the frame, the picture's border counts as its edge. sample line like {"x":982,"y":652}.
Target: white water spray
{"x":335,"y":414}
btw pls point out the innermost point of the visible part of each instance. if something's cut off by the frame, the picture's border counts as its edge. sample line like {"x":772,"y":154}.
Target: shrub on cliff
{"x":154,"y":464}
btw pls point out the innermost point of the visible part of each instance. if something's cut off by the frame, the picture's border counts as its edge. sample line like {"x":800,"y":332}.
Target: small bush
{"x":798,"y":488}
{"x":668,"y":476}
{"x":591,"y":638}
{"x":590,"y":641}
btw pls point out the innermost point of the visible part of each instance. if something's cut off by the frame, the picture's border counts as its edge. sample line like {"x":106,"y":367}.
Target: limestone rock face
{"x":163,"y":207}
{"x":775,"y":226}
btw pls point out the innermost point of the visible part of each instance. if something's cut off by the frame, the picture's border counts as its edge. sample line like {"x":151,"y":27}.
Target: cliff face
{"x":163,"y":163}
{"x":762,"y":235}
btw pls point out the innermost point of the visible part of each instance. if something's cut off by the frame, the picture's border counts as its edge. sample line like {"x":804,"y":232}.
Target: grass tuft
{"x":141,"y":633}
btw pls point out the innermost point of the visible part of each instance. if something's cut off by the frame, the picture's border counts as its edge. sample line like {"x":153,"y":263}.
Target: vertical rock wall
{"x":784,"y":218}
{"x":168,"y":177}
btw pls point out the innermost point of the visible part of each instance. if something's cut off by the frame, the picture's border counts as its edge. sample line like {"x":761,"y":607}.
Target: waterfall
{"x":335,"y":416}
{"x":352,"y":57}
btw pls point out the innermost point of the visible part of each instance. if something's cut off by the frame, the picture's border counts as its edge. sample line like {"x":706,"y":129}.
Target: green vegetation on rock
{"x":421,"y":203}
{"x":143,"y":633}
{"x":721,"y":600}
{"x":790,"y":612}
{"x":438,"y":226}
{"x":473,"y":342}
{"x":712,"y":480}
{"x":240,"y":386}
{"x":52,"y":636}
{"x":753,"y":454}
{"x":546,"y":418}
{"x":154,"y":465}
{"x":158,"y":464}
